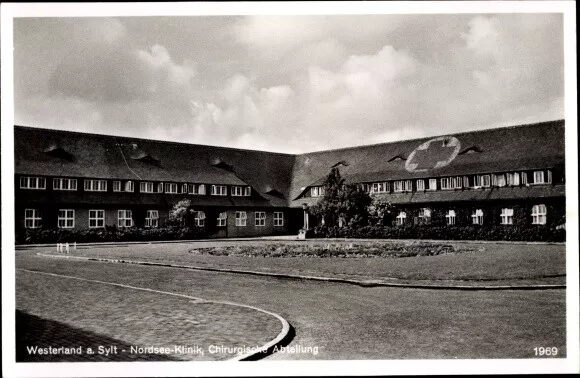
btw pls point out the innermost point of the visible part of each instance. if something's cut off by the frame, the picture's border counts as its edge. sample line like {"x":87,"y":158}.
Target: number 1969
{"x":541,"y":351}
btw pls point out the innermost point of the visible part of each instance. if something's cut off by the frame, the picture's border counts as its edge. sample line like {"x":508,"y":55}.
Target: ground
{"x":331,"y":320}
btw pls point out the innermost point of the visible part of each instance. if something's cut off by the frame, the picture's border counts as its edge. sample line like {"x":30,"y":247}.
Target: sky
{"x":289,"y":84}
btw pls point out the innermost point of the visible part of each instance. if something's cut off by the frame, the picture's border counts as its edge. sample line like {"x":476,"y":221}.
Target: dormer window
{"x":64,"y":184}
{"x":317,"y":191}
{"x":32,"y":183}
{"x":146,"y":187}
{"x":171,"y":188}
{"x":241,"y":191}
{"x":219,"y":190}
{"x":95,"y":185}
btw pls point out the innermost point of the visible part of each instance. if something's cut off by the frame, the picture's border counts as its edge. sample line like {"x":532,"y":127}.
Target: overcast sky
{"x":288,"y":83}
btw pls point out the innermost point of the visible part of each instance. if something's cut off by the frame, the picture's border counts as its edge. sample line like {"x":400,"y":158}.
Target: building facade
{"x":506,"y":176}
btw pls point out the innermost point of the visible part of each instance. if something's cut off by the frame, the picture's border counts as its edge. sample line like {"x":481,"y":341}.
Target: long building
{"x":503,"y":176}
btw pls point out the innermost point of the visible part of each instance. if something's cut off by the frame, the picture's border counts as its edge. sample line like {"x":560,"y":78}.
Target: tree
{"x":342,"y":204}
{"x":182,"y":214}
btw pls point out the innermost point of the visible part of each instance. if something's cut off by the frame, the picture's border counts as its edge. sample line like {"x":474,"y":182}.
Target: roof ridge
{"x":432,"y":136}
{"x":148,"y":140}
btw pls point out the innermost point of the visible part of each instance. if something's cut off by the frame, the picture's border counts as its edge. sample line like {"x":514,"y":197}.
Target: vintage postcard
{"x":315,"y":188}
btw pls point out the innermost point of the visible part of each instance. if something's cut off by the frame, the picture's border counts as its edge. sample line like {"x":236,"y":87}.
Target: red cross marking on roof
{"x":433,"y":154}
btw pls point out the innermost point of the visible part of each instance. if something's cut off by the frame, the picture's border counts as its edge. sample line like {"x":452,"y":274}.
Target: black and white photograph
{"x":310,"y":188}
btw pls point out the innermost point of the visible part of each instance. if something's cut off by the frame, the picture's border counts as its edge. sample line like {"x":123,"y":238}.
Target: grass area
{"x":143,"y":318}
{"x":334,"y":250}
{"x":476,"y":262}
{"x":346,"y":321}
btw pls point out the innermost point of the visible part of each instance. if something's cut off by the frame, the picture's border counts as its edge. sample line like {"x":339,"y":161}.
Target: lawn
{"x":343,"y":321}
{"x":492,"y":263}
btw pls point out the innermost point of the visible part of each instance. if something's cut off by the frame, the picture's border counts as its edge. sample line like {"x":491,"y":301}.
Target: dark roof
{"x":524,"y":147}
{"x":110,"y":157}
{"x":279,"y":179}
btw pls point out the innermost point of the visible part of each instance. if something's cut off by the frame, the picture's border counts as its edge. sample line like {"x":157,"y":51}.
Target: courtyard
{"x":163,"y":294}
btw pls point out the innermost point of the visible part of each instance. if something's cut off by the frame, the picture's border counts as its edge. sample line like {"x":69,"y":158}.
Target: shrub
{"x":109,"y":234}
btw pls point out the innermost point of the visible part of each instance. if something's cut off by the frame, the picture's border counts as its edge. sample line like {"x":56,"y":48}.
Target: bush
{"x":514,"y":233}
{"x":109,"y":234}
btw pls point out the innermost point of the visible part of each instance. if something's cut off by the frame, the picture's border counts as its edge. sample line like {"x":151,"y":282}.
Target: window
{"x":420,"y":184}
{"x":32,"y":183}
{"x":317,"y":191}
{"x":477,"y":217}
{"x":425,"y":215}
{"x":125,"y":218}
{"x":32,"y":218}
{"x":513,"y":179}
{"x":160,"y":187}
{"x":402,"y":186}
{"x":241,"y":218}
{"x":432,"y":184}
{"x":64,"y":184}
{"x":152,"y":218}
{"x":366,"y":187}
{"x":219,"y":190}
{"x":199,"y":219}
{"x":196,"y":189}
{"x":539,"y":214}
{"x":146,"y":187}
{"x":201,"y":189}
{"x":450,"y":217}
{"x":184,"y":188}
{"x":524,"y":178}
{"x":499,"y":180}
{"x":549,"y":177}
{"x":446,"y":183}
{"x":96,"y":218}
{"x":482,"y":181}
{"x":456,"y":182}
{"x":278,"y":218}
{"x":66,"y":218}
{"x":222,"y":219}
{"x":171,"y":188}
{"x":260,"y":218}
{"x":129,"y":186}
{"x":401,"y":218}
{"x":466,"y":182}
{"x":96,"y":185}
{"x":539,"y":177}
{"x":116,"y":186}
{"x":380,"y":187}
{"x":507,"y":216}
{"x":239,"y":191}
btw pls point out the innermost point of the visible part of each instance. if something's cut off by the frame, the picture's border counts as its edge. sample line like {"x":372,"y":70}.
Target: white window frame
{"x":171,"y":188}
{"x":146,"y":187}
{"x":317,"y":191}
{"x":278,"y":219}
{"x":260,"y":219}
{"x":512,"y":179}
{"x":125,"y":218}
{"x":477,"y":217}
{"x":539,"y":214}
{"x":400,"y":186}
{"x":26,"y":182}
{"x":199,"y":218}
{"x":130,"y":186}
{"x":445,"y":183}
{"x":456,"y":182}
{"x":451,"y":217}
{"x":241,"y":218}
{"x":222,"y":219}
{"x":59,"y":184}
{"x":117,"y":186}
{"x":482,"y":181}
{"x":34,"y":217}
{"x":240,"y":191}
{"x":401,"y":217}
{"x":425,"y":213}
{"x":380,"y":187}
{"x":94,"y":185}
{"x":97,"y":217}
{"x":499,"y":180}
{"x":539,"y":177}
{"x":524,"y":176}
{"x":420,"y":185}
{"x":160,"y":187}
{"x":219,"y":190}
{"x":507,"y":216}
{"x":67,"y":217}
{"x":152,"y":219}
{"x":201,"y":189}
{"x":432,"y":184}
{"x":185,"y":188}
